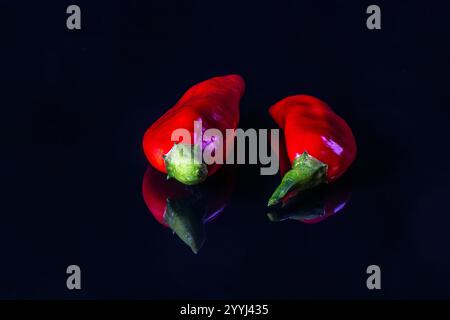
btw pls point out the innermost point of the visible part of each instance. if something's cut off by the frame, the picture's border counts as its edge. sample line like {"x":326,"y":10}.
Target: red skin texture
{"x":214,"y":101}
{"x":310,"y":125}
{"x":156,"y":189}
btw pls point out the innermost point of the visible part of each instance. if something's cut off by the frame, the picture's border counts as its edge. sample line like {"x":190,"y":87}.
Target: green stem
{"x":306,"y":173}
{"x":184,"y":163}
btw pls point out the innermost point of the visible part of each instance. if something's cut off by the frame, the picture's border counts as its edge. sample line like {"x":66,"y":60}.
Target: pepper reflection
{"x":312,"y":206}
{"x":186,"y":209}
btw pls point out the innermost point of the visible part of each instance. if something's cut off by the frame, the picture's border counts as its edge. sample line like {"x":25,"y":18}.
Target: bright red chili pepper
{"x":320,"y":144}
{"x":214,"y":102}
{"x":185,"y":209}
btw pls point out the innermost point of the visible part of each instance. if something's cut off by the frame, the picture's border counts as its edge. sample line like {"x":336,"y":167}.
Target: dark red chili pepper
{"x":185,"y":209}
{"x":320,"y":144}
{"x":214,"y":102}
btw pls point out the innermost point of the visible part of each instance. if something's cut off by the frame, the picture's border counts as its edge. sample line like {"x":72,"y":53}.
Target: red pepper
{"x":320,"y":145}
{"x":185,"y":209}
{"x":214,"y":102}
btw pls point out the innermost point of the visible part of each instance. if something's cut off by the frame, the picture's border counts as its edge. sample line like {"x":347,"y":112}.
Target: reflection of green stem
{"x":307,"y":205}
{"x":184,"y":217}
{"x":300,"y":214}
{"x":306,"y":173}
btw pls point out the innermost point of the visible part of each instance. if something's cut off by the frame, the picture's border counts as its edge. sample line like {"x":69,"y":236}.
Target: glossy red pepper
{"x":214,"y":102}
{"x":320,"y":145}
{"x":185,"y":209}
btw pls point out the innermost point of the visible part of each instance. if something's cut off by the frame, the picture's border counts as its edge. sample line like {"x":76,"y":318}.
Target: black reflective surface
{"x":75,"y":106}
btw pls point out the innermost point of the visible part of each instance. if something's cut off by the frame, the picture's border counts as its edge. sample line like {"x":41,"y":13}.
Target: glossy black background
{"x":75,"y":106}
